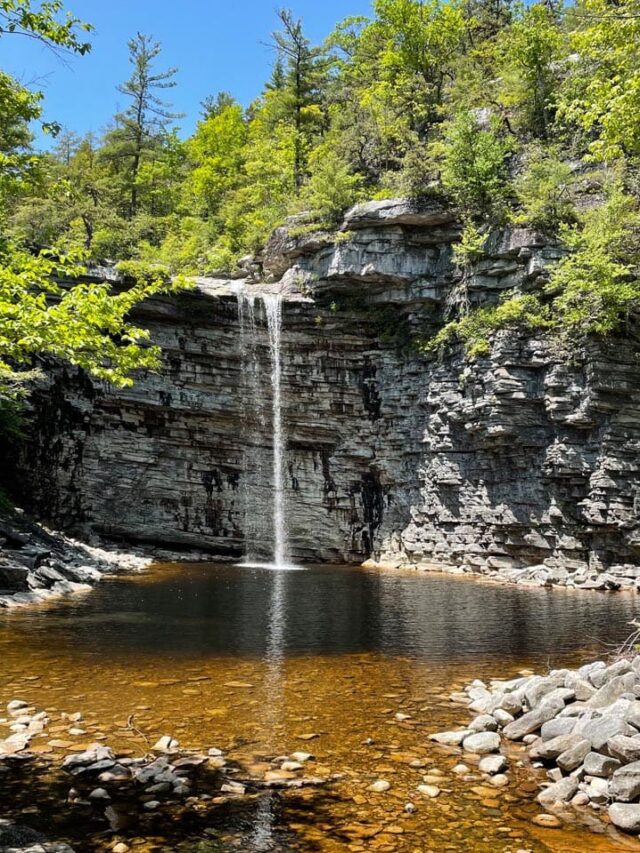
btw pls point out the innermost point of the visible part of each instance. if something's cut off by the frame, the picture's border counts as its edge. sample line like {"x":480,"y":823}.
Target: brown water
{"x":261,"y":663}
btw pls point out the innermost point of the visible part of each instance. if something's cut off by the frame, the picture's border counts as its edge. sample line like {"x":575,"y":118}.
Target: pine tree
{"x":141,"y":126}
{"x":298,"y":74}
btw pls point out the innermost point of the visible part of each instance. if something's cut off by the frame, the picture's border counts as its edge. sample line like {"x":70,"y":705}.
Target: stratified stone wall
{"x":523,"y":463}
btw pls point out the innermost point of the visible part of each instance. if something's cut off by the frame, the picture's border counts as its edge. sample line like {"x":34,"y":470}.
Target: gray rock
{"x":482,"y":743}
{"x":451,"y":738}
{"x":558,"y":792}
{"x":548,"y":749}
{"x":533,"y":720}
{"x":492,"y":764}
{"x":557,"y":726}
{"x":612,"y":690}
{"x":625,"y":816}
{"x":627,"y":749}
{"x":596,"y":764}
{"x":625,"y":783}
{"x":502,"y":717}
{"x":599,"y":730}
{"x":598,"y":790}
{"x":573,"y":757}
{"x":484,"y":723}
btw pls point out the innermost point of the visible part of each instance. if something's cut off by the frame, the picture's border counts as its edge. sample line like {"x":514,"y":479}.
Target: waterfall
{"x":262,"y":509}
{"x":273,"y":308}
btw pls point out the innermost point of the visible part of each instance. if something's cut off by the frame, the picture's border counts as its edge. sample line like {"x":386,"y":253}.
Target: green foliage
{"x":474,"y":166}
{"x":331,"y":188}
{"x":484,"y":103}
{"x":544,"y":191}
{"x":85,"y":324}
{"x":595,"y":286}
{"x":602,"y":92}
{"x":528,"y":54}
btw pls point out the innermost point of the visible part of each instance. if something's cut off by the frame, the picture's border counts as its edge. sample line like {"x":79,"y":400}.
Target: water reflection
{"x":204,"y":610}
{"x":273,"y":686}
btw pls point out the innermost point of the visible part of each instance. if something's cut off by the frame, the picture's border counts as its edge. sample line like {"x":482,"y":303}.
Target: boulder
{"x":556,"y":727}
{"x":599,"y":730}
{"x":482,"y":743}
{"x":627,"y":749}
{"x":492,"y":764}
{"x":613,"y":689}
{"x":625,"y":783}
{"x":596,"y":764}
{"x":625,"y":816}
{"x":573,"y":757}
{"x":549,"y":749}
{"x":533,"y":720}
{"x":484,"y":723}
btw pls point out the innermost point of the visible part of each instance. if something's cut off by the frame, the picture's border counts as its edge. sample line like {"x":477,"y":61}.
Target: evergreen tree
{"x":142,"y":125}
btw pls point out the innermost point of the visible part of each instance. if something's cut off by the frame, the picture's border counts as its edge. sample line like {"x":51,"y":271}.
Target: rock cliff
{"x":523,"y":463}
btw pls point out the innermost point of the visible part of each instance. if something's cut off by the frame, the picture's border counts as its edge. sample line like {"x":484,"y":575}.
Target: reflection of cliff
{"x":523,"y":458}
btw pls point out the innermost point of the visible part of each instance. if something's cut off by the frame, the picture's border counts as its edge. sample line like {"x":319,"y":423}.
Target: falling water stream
{"x":256,"y":504}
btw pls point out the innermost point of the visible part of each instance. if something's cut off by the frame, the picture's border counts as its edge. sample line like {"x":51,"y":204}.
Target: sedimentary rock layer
{"x":522,"y":463}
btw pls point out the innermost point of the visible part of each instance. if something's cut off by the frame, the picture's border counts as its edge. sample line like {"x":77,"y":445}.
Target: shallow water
{"x":256,"y":661}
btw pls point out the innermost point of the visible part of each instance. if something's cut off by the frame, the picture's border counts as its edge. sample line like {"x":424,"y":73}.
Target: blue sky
{"x":214,"y":43}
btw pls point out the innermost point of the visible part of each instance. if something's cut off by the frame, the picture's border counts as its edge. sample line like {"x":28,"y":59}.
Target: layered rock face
{"x":522,"y":463}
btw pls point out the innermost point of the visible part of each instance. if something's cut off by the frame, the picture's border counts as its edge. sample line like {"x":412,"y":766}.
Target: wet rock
{"x":380,"y":786}
{"x":166,"y":744}
{"x":625,"y":816}
{"x":549,"y":821}
{"x":302,"y":757}
{"x":99,"y":794}
{"x":451,"y":738}
{"x":430,"y":791}
{"x":233,"y":788}
{"x":484,"y":723}
{"x":491,"y":764}
{"x":558,"y":792}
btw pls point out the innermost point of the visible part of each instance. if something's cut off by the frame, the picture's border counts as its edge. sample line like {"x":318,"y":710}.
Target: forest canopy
{"x":510,"y":113}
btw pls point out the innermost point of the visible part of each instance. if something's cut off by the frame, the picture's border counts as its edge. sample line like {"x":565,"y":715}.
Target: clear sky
{"x":215,"y":45}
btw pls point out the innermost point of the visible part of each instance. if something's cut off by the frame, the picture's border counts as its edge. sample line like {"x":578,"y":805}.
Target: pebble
{"x":431,"y":791}
{"x":549,"y":821}
{"x":380,"y":786}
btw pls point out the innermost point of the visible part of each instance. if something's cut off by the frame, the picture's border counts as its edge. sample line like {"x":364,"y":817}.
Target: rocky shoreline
{"x":38,"y":564}
{"x":582,"y":726}
{"x":623,"y":577}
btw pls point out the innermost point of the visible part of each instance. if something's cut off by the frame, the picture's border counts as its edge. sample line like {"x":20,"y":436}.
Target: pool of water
{"x":256,"y":661}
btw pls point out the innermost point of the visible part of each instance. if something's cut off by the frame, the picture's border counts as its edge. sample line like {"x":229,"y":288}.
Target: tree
{"x":529,"y":53}
{"x":602,"y":90}
{"x":216,"y":156}
{"x":140,"y":127}
{"x":83,"y":323}
{"x":297,"y":79}
{"x":474,"y":166}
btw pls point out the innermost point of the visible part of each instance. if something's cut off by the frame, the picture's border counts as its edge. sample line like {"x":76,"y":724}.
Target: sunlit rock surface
{"x":523,"y":464}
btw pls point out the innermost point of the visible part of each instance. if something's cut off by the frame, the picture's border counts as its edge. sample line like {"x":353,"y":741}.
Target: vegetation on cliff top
{"x":509,"y":112}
